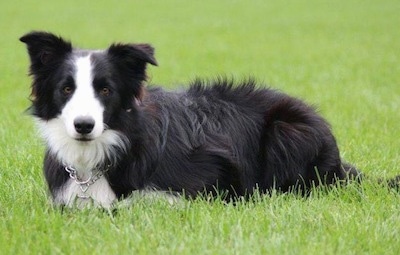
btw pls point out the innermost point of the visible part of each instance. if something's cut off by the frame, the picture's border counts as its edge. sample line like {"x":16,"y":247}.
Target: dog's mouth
{"x":84,"y":139}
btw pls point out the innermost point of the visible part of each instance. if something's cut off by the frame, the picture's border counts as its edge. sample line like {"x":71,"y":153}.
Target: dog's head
{"x":77,"y":93}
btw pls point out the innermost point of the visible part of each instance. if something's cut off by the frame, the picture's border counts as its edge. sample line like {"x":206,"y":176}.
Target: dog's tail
{"x":392,"y":183}
{"x":353,"y":174}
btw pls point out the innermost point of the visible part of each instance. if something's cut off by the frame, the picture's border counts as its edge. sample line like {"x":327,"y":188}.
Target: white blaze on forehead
{"x":84,"y":77}
{"x":83,"y":102}
{"x":84,"y":97}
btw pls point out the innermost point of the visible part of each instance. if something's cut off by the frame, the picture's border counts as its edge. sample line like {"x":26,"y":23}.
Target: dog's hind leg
{"x":298,"y":149}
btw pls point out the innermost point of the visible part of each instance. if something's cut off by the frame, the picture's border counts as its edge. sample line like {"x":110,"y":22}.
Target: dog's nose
{"x":84,"y":125}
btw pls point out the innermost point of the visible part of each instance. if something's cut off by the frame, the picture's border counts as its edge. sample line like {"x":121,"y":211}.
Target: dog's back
{"x":263,"y":137}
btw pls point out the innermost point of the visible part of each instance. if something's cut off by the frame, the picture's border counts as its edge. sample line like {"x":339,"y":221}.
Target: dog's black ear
{"x":132,"y":54}
{"x":45,"y":49}
{"x":130,"y":61}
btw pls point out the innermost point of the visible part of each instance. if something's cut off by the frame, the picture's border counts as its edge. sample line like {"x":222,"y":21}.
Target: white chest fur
{"x":99,"y":194}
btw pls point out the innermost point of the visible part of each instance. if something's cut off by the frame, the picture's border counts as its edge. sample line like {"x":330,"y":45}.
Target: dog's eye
{"x":67,"y":90}
{"x":105,"y":91}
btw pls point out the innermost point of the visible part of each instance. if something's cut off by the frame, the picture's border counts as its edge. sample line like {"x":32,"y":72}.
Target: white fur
{"x":151,"y":195}
{"x":100,"y":194}
{"x":83,"y":156}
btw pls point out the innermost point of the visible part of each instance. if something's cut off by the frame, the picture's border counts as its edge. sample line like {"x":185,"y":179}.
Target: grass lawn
{"x":343,"y":56}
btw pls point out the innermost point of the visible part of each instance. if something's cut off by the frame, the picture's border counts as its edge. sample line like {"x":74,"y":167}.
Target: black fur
{"x":231,"y":136}
{"x":217,"y":136}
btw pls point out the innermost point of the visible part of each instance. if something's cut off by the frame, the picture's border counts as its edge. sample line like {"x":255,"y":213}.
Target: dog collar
{"x":85,"y":184}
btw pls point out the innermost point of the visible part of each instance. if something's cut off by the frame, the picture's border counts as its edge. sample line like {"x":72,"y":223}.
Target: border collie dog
{"x":107,"y":135}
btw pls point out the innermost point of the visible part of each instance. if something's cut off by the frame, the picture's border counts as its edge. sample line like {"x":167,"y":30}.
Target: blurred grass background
{"x":342,"y":56}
